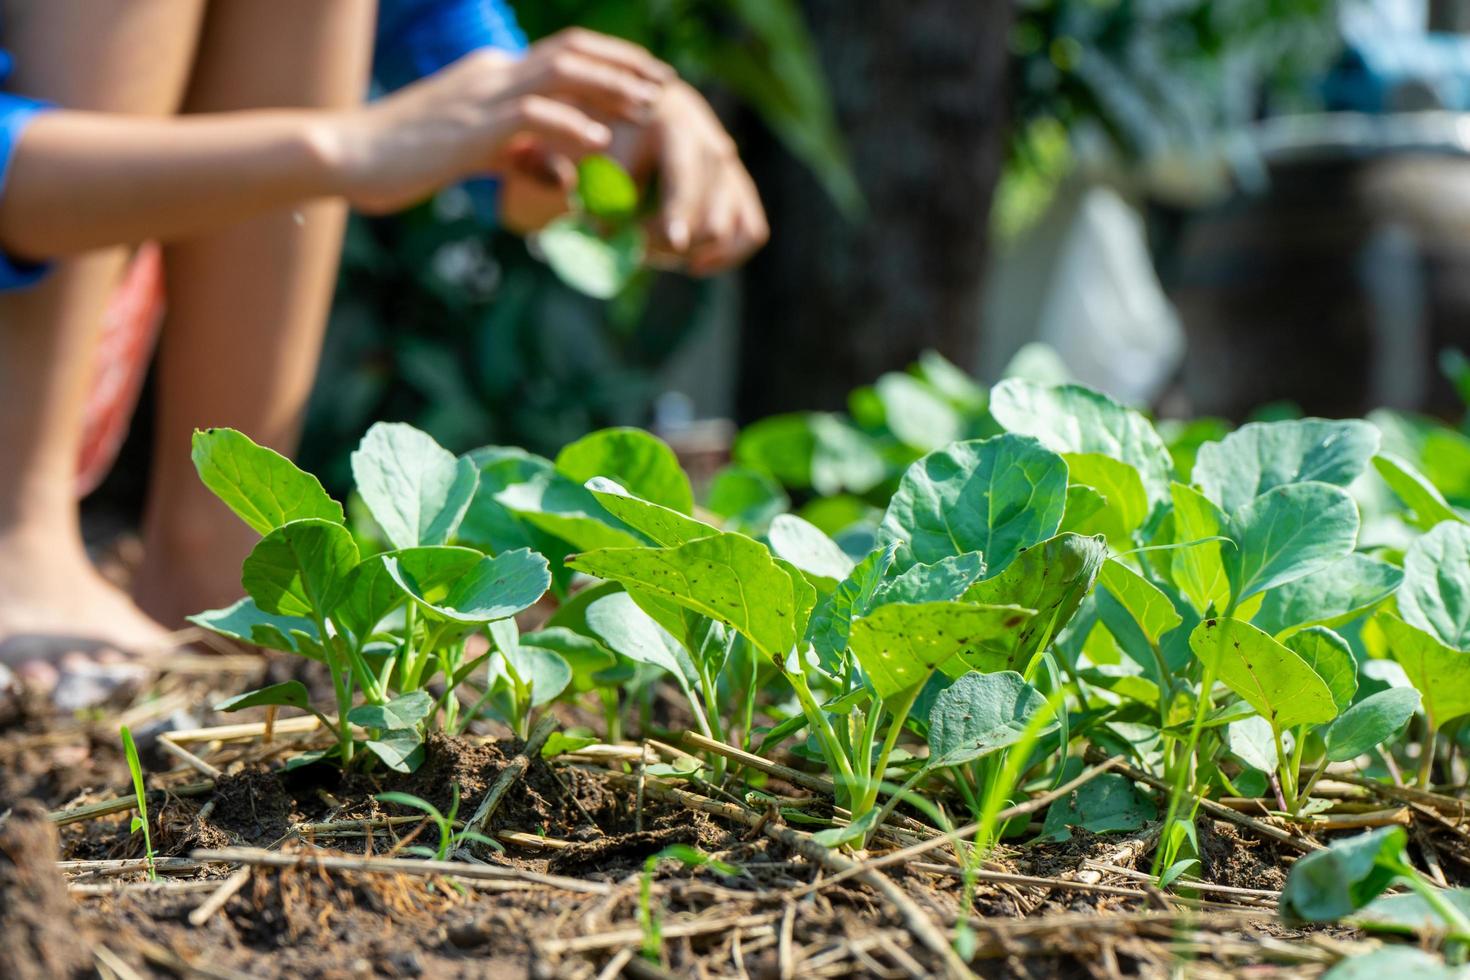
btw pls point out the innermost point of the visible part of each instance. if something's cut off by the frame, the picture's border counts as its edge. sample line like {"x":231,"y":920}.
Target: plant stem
{"x":1176,"y":790}
{"x":817,"y":719}
{"x":751,"y":688}
{"x":1283,"y":766}
{"x":899,"y":714}
{"x":716,"y":732}
{"x":1426,"y":758}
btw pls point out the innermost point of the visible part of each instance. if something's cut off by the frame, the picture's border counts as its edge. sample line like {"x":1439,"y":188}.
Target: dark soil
{"x":303,"y":922}
{"x":38,"y":932}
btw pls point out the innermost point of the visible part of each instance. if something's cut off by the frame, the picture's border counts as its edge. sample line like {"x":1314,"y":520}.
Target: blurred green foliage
{"x":458,"y":330}
{"x":1157,"y":74}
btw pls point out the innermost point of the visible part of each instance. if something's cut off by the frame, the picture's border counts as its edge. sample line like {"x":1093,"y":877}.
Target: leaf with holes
{"x":899,"y":646}
{"x":1268,"y":676}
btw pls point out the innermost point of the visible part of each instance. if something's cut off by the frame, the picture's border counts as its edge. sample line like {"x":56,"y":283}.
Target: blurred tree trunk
{"x":919,"y":92}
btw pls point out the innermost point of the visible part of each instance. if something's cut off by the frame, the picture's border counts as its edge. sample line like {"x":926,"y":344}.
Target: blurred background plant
{"x":877,"y":137}
{"x":466,"y":335}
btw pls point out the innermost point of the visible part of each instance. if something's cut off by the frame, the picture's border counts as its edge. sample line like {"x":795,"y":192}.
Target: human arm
{"x":78,"y":181}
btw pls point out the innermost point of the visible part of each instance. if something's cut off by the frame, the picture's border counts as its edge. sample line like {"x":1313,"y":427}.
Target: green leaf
{"x":727,"y":577}
{"x":545,"y":672}
{"x":1326,"y":885}
{"x":418,"y":491}
{"x":637,"y":461}
{"x":1074,"y":419}
{"x":916,"y":414}
{"x":404,"y":711}
{"x":589,"y":263}
{"x":1435,"y":595}
{"x":287,"y":694}
{"x":1052,"y":578}
{"x":1408,"y":914}
{"x":1370,"y":723}
{"x":980,"y":713}
{"x":1107,"y":804}
{"x":264,"y":488}
{"x":299,"y":568}
{"x":1127,"y":503}
{"x":747,"y":498}
{"x":1330,"y":656}
{"x":1272,"y":679}
{"x":1198,"y":568}
{"x":1332,"y":597}
{"x":491,"y":589}
{"x":1394,"y":961}
{"x":1144,"y":601}
{"x":806,"y":547}
{"x":837,"y":836}
{"x":662,"y":525}
{"x":248,"y":623}
{"x":373,"y":590}
{"x":1413,"y":488}
{"x":585,"y":655}
{"x":995,"y":496}
{"x":1252,"y":741}
{"x":1440,"y":673}
{"x":554,"y":505}
{"x":1287,"y":533}
{"x":1261,"y":456}
{"x":831,"y":619}
{"x":401,"y":750}
{"x":948,"y":578}
{"x":900,"y":645}
{"x":560,"y":743}
{"x":1084,"y":507}
{"x":631,"y":632}
{"x":604,"y":188}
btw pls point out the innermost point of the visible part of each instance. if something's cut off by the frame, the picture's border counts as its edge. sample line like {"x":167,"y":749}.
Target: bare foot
{"x":67,"y":630}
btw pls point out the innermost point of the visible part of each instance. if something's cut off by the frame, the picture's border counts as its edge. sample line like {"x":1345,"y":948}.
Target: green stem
{"x":1426,"y":761}
{"x":900,"y":794}
{"x":1176,"y":790}
{"x":1316,"y":775}
{"x":899,"y":714}
{"x":817,"y":719}
{"x":1283,"y":767}
{"x":751,"y":688}
{"x":716,"y":730}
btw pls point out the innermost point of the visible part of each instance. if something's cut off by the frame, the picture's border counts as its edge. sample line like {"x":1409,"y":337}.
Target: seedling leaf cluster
{"x":942,"y":624}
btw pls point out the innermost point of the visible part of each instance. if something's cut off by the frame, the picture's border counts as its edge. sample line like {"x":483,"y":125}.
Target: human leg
{"x":115,"y":56}
{"x":247,"y":306}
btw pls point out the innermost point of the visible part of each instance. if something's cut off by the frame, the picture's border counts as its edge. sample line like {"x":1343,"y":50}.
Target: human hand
{"x":711,"y":216}
{"x":488,"y":110}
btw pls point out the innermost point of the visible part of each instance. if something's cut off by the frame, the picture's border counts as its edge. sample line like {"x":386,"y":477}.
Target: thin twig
{"x":417,"y":868}
{"x":917,"y":921}
{"x":613,"y":938}
{"x":223,"y":894}
{"x":122,"y":804}
{"x":188,"y":758}
{"x":750,"y":760}
{"x":969,"y":830}
{"x":1215,"y":809}
{"x":512,"y":773}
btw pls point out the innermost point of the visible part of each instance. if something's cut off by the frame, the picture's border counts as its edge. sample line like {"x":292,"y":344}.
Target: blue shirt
{"x":415,"y":38}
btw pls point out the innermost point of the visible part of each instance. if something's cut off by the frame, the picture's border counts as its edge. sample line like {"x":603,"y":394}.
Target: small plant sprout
{"x":450,"y":837}
{"x":140,"y":795}
{"x":649,"y":919}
